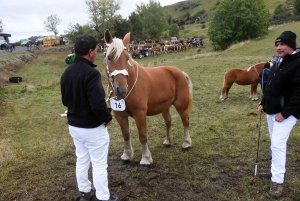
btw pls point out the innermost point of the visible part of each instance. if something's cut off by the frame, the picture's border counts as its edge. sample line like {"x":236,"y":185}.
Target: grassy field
{"x":37,"y":159}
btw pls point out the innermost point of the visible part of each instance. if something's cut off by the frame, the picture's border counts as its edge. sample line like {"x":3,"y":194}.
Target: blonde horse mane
{"x":254,"y":65}
{"x":116,"y":46}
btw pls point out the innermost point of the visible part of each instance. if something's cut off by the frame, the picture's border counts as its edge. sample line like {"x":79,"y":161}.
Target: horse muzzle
{"x":121,"y":92}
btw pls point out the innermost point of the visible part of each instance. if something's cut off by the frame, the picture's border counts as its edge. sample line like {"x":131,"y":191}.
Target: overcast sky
{"x":25,"y":18}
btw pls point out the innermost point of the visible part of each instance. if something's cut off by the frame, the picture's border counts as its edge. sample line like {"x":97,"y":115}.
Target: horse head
{"x":117,"y":62}
{"x":269,"y":64}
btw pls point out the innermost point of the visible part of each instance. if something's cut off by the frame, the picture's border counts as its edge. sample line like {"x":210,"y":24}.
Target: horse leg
{"x":187,"y":142}
{"x":141,"y":124}
{"x":128,"y":152}
{"x":253,"y":91}
{"x":169,"y":137}
{"x":225,"y":90}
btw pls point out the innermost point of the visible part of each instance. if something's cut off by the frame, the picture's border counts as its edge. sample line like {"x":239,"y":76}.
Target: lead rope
{"x":110,"y":83}
{"x":137,"y":74}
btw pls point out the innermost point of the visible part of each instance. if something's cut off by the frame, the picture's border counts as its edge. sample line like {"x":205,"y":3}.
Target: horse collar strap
{"x":111,"y":75}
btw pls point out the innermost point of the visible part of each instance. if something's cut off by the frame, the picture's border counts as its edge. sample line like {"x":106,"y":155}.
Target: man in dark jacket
{"x":281,"y":102}
{"x":88,"y":117}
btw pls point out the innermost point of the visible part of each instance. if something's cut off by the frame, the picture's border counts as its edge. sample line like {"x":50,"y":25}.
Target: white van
{"x":173,"y":39}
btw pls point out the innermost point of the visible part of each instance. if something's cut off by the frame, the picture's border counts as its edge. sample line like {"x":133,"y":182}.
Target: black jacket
{"x":83,"y":94}
{"x":282,"y":93}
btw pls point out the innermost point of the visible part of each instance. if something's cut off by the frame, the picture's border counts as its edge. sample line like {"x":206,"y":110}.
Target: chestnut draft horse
{"x":239,"y":76}
{"x":137,"y":92}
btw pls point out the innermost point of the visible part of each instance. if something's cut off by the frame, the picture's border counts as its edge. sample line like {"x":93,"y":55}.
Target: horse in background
{"x":249,"y":76}
{"x":136,"y":91}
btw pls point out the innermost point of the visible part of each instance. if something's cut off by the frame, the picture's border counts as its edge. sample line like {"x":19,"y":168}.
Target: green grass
{"x":177,"y":12}
{"x":37,"y":154}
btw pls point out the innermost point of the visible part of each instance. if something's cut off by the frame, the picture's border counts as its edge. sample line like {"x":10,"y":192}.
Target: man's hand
{"x":260,"y":109}
{"x":279,"y":117}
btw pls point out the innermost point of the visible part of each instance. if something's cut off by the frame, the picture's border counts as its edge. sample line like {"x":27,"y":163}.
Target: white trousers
{"x":279,"y":134}
{"x":91,"y":146}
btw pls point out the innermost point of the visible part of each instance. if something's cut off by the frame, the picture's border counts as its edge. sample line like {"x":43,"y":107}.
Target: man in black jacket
{"x":281,"y":102}
{"x":88,"y":117}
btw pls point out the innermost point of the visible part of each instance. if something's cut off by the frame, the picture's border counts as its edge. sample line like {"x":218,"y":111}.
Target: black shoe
{"x":112,"y":198}
{"x":87,"y":196}
{"x":267,"y":175}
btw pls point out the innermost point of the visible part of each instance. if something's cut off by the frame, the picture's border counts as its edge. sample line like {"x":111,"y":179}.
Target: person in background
{"x":281,"y":102}
{"x":13,"y":46}
{"x":37,"y":43}
{"x":8,"y":47}
{"x":28,"y":45}
{"x":88,"y":117}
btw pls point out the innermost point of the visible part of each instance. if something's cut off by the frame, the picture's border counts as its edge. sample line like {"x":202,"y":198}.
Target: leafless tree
{"x":51,"y":24}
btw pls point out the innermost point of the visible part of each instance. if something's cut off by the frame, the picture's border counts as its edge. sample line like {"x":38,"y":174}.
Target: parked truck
{"x":51,"y":41}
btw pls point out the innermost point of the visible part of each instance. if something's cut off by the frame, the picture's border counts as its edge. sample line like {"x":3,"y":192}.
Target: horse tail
{"x":222,"y":91}
{"x":190,"y":85}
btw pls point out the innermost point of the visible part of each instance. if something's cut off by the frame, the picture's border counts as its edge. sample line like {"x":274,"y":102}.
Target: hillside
{"x":198,"y":11}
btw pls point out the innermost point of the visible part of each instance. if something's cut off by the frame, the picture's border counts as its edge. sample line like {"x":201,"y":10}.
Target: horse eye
{"x":109,"y":58}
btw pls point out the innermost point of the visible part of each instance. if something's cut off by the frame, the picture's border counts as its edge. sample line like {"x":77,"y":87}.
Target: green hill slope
{"x":202,"y":9}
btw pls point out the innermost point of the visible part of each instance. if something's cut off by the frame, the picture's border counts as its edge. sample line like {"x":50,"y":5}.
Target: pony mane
{"x":254,"y":65}
{"x":116,"y":46}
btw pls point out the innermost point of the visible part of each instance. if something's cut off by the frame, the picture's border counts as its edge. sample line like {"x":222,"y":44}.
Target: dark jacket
{"x":83,"y":94}
{"x":283,"y":91}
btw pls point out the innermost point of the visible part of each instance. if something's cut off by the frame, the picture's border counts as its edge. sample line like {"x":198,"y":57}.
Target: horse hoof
{"x":124,"y":162}
{"x":186,"y":149}
{"x":144,"y":167}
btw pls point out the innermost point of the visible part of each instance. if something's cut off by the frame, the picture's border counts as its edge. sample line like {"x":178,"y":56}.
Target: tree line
{"x":148,"y":21}
{"x":232,"y":21}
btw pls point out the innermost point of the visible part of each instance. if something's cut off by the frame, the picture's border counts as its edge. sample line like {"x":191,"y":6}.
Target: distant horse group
{"x":156,"y":46}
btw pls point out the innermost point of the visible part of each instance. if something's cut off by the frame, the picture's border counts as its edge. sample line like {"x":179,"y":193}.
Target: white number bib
{"x":117,"y":105}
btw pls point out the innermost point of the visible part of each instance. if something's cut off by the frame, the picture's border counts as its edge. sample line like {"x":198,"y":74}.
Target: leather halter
{"x":118,"y":72}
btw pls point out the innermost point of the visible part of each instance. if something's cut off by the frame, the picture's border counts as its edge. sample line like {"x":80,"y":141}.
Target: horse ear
{"x":107,"y":37}
{"x":126,"y":39}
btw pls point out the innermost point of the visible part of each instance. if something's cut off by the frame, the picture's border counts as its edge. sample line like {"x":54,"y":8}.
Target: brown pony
{"x":239,"y":76}
{"x":137,"y":92}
